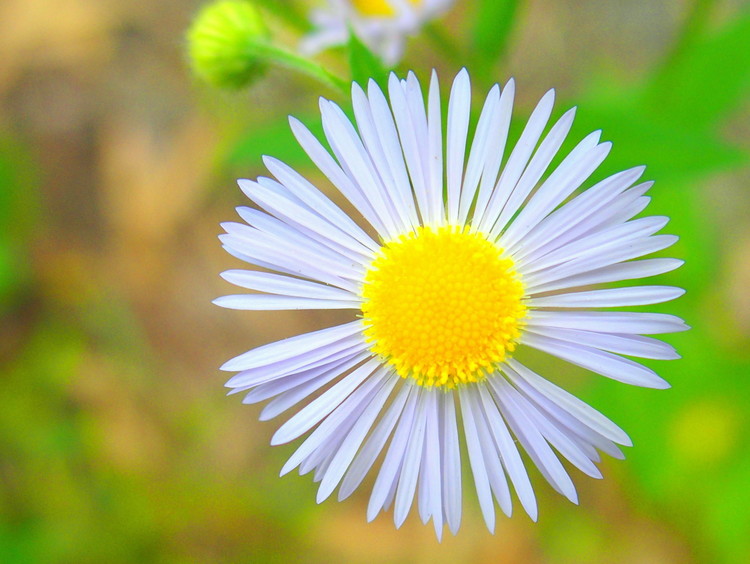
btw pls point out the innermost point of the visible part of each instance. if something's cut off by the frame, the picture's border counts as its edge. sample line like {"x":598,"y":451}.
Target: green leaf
{"x":709,"y":79}
{"x":492,"y":25}
{"x":364,"y":64}
{"x":274,"y":138}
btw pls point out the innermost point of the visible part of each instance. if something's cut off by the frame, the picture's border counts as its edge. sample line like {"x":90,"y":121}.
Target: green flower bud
{"x":223,"y":41}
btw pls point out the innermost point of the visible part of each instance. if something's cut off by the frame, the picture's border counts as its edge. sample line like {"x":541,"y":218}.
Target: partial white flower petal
{"x":412,"y":459}
{"x":496,"y":149}
{"x":304,"y":390}
{"x":354,"y":438}
{"x":393,"y":151}
{"x":435,"y":212}
{"x":573,"y":171}
{"x":519,"y":373}
{"x":451,"y":462}
{"x":630,"y":345}
{"x":432,"y":466}
{"x":480,"y":153}
{"x":519,"y":157}
{"x":374,"y":444}
{"x":284,"y":285}
{"x":615,"y":272}
{"x":320,"y":203}
{"x":355,"y":402}
{"x":333,"y":171}
{"x":476,"y":460}
{"x":579,"y":210}
{"x":532,"y":440}
{"x":610,"y":297}
{"x":320,"y":407}
{"x":294,"y":347}
{"x":495,"y":472}
{"x":508,"y":453}
{"x":264,"y":302}
{"x":394,"y":458}
{"x":609,"y":322}
{"x":601,"y":362}
{"x":459,"y":107}
{"x":402,"y":202}
{"x":355,"y":161}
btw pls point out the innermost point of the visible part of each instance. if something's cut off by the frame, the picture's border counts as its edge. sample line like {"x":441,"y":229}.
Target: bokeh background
{"x":117,"y":442}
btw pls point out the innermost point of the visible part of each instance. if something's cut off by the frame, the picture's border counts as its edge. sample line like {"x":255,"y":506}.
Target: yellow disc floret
{"x":378,"y":7}
{"x":442,"y":305}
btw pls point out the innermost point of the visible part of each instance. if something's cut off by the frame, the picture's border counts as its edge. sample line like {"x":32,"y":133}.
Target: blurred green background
{"x":117,"y":443}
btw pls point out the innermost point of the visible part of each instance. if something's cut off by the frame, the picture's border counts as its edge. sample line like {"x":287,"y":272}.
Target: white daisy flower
{"x":472,"y":258}
{"x":383,"y":25}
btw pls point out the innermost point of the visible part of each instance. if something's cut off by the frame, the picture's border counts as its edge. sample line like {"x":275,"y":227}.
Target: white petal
{"x":509,"y":453}
{"x":451,"y":463}
{"x":517,"y":162}
{"x":410,"y":142}
{"x":355,"y":403}
{"x":412,"y":458}
{"x":285,"y":383}
{"x":391,"y":468}
{"x":571,"y":173}
{"x":374,"y":444}
{"x":435,"y":211}
{"x":480,"y":152}
{"x":630,"y":345}
{"x":459,"y":107}
{"x":432,"y":465}
{"x":394,"y":153}
{"x":320,"y":407}
{"x":609,"y":322}
{"x":476,"y":460}
{"x":355,"y":161}
{"x":496,"y":148}
{"x":607,"y":240}
{"x":604,"y":363}
{"x":532,"y":440}
{"x":283,"y":285}
{"x":604,"y":255}
{"x":610,"y":297}
{"x":318,"y":202}
{"x":261,"y":302}
{"x":519,"y":373}
{"x":305,"y":390}
{"x":333,"y":171}
{"x":354,"y":439}
{"x":557,"y":437}
{"x":591,"y":202}
{"x":403,"y":204}
{"x":307,"y":343}
{"x":612,"y":273}
{"x":495,"y":473}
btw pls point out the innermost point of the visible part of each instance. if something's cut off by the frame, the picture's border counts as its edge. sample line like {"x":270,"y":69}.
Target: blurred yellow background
{"x":117,"y":443}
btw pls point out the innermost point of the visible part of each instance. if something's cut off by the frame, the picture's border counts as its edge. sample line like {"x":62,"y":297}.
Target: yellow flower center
{"x":442,"y":306}
{"x":378,"y":7}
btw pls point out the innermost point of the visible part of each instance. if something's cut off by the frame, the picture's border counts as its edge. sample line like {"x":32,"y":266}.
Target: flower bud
{"x":222,"y":43}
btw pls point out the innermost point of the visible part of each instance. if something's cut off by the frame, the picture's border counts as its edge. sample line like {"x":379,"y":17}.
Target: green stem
{"x":279,"y":55}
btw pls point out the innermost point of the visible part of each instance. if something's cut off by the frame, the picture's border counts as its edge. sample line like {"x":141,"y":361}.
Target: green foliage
{"x":364,"y":64}
{"x":493,"y":23}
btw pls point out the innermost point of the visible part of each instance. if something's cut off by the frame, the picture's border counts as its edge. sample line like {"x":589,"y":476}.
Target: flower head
{"x":221,"y":40}
{"x":382,"y":25}
{"x":477,"y":251}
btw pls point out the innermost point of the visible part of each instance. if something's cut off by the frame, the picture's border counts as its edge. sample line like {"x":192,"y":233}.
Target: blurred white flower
{"x":383,"y":25}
